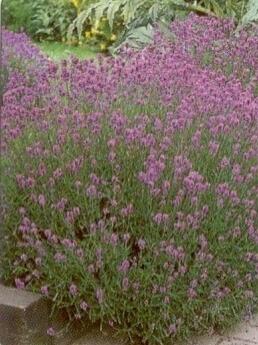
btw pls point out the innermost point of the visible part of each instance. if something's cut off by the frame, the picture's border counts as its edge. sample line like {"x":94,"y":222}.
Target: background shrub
{"x":41,"y":19}
{"x":51,"y":19}
{"x":113,"y":23}
{"x":17,"y":14}
{"x":139,"y":17}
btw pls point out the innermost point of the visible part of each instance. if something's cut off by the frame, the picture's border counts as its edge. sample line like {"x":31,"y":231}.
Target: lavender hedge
{"x":131,"y":187}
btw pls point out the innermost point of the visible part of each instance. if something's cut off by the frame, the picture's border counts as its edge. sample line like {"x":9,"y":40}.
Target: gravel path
{"x":244,"y":334}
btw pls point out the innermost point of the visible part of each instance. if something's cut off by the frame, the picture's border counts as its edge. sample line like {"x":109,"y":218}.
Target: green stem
{"x":198,"y":8}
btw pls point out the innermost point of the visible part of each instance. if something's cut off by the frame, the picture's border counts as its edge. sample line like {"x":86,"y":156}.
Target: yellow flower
{"x":76,"y":3}
{"x":94,"y":31}
{"x":87,"y":34}
{"x":96,"y":24}
{"x":103,"y":46}
{"x":113,"y":37}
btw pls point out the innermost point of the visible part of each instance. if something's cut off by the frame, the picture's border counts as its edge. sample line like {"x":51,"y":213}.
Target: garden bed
{"x":131,"y":185}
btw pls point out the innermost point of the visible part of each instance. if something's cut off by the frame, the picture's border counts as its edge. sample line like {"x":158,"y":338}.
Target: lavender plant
{"x":131,"y":187}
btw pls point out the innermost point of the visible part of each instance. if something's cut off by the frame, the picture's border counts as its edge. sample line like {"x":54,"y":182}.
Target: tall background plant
{"x":113,"y":23}
{"x":41,"y":19}
{"x":138,"y":17}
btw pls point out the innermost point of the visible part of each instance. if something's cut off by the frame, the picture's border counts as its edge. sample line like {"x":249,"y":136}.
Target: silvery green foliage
{"x":251,"y":14}
{"x":140,"y":16}
{"x":140,"y":31}
{"x":135,"y":38}
{"x":110,"y":8}
{"x":132,"y":12}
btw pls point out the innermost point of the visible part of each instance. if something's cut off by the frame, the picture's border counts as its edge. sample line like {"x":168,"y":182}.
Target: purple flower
{"x":38,"y":261}
{"x":44,"y":290}
{"x":191,"y":293}
{"x":22,"y":211}
{"x":113,"y":239}
{"x":125,"y":212}
{"x":126,"y":238}
{"x":111,"y":323}
{"x":125,"y":283}
{"x":161,"y":218}
{"x":84,"y":306}
{"x":100,"y":295}
{"x":77,"y":316}
{"x":19,"y":283}
{"x":91,"y":191}
{"x":51,"y":332}
{"x":141,"y":244}
{"x":172,"y":329}
{"x":73,"y":290}
{"x":41,"y":200}
{"x":124,"y":266}
{"x":59,"y":257}
{"x":214,"y":147}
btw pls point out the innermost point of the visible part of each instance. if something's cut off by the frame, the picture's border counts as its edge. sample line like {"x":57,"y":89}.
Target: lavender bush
{"x":131,"y":187}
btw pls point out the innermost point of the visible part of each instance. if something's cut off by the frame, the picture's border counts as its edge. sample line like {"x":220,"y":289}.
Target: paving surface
{"x":23,"y":317}
{"x":245,"y":334}
{"x":95,"y":337}
{"x":21,"y":323}
{"x":21,"y":299}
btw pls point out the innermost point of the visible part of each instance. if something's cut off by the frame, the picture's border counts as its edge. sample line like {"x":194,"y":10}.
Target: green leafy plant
{"x":140,"y":16}
{"x":41,"y":19}
{"x":251,"y":14}
{"x":222,"y":8}
{"x":17,"y":14}
{"x":51,"y":19}
{"x":127,"y":11}
{"x":136,"y":18}
{"x":139,"y":31}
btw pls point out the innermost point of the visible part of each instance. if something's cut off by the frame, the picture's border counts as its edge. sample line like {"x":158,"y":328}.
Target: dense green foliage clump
{"x":113,"y":23}
{"x":41,"y":19}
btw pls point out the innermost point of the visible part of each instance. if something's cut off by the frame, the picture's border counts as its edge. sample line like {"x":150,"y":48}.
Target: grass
{"x":58,"y":51}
